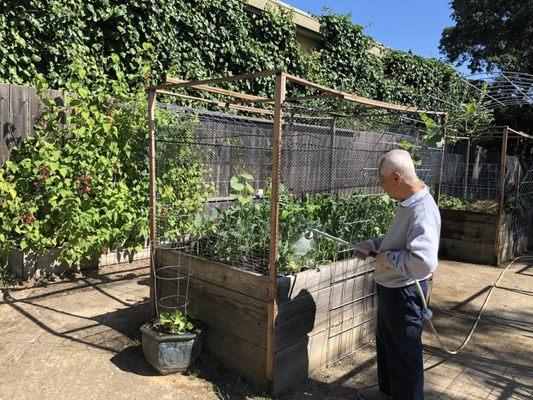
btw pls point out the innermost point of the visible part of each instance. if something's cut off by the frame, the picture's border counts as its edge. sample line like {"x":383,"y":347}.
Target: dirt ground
{"x":79,"y":340}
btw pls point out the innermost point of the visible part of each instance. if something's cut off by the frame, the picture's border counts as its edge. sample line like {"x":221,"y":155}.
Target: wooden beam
{"x":519,"y":133}
{"x":392,"y":106}
{"x":501,"y":195}
{"x":226,"y":92}
{"x":178,"y":83}
{"x":458,"y":137}
{"x":467,"y":166}
{"x":218,"y":103}
{"x":152,"y":104}
{"x":316,"y":86}
{"x":361,"y":100}
{"x":271,"y":100}
{"x":438,"y":187}
{"x":274,"y":228}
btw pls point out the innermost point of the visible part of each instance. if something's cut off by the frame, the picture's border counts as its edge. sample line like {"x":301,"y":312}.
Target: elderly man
{"x":408,"y":252}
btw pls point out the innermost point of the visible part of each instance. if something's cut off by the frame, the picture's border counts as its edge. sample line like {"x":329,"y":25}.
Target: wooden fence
{"x":20,"y":108}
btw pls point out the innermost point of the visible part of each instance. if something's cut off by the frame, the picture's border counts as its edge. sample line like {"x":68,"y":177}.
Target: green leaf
{"x":235,"y":184}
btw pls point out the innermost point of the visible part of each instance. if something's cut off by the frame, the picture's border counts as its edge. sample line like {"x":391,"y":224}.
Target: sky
{"x":414,"y":25}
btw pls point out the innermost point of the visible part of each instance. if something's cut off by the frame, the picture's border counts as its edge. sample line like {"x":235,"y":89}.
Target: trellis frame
{"x":281,"y":79}
{"x":504,"y":133}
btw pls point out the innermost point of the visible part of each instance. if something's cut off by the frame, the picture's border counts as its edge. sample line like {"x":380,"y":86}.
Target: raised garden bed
{"x":323,"y":314}
{"x":25,"y":265}
{"x":474,"y":236}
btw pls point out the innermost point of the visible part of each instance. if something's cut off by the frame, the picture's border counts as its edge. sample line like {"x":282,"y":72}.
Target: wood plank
{"x":361,"y":100}
{"x":35,"y":109}
{"x":462,"y":215}
{"x":471,"y":232}
{"x":251,"y":75}
{"x":320,"y":278}
{"x":297,"y":362}
{"x":4,"y":121}
{"x":468,"y":226}
{"x":218,"y":103}
{"x":241,"y":281}
{"x":351,"y":334}
{"x":225,"y":92}
{"x":244,"y":357}
{"x":310,"y":313}
{"x":464,"y":250}
{"x":17,"y":112}
{"x":219,"y":308}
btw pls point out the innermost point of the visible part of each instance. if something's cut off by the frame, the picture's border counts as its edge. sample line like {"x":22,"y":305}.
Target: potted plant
{"x":172,"y":342}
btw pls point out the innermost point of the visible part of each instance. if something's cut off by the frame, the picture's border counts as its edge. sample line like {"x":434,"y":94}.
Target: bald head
{"x":399,"y":161}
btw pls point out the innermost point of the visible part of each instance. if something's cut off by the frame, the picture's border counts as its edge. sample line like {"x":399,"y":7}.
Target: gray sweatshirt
{"x":412,"y":242}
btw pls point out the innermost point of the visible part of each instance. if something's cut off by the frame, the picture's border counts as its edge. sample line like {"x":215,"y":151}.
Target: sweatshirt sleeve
{"x":377,"y":242}
{"x":421,"y":255}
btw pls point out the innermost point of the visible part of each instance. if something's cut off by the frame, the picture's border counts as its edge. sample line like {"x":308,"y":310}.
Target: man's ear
{"x":397,"y":177}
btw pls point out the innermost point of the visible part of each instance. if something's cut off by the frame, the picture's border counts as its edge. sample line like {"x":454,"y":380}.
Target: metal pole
{"x":467,"y":166}
{"x":438,"y":187}
{"x":152,"y":101}
{"x":501,"y":195}
{"x":280,"y":88}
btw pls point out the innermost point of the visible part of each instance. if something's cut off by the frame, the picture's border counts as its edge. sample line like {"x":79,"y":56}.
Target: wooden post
{"x":274,"y":226}
{"x":467,"y":166}
{"x":438,"y":186}
{"x":152,"y":102}
{"x":333,"y":161}
{"x":501,"y":195}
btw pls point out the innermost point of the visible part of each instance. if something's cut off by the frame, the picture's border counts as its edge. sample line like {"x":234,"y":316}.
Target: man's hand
{"x":383,"y":261}
{"x":368,"y":245}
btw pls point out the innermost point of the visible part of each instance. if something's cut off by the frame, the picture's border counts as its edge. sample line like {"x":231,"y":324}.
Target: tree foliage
{"x":491,"y":34}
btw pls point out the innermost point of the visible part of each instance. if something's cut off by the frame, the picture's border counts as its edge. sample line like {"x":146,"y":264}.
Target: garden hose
{"x":305,"y":242}
{"x":427,"y":314}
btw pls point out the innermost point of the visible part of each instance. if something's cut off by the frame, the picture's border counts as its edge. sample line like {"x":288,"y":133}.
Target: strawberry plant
{"x":175,"y":322}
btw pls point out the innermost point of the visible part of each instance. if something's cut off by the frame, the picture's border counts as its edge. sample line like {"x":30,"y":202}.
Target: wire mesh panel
{"x":330,"y":184}
{"x":213,"y":171}
{"x":470,"y":178}
{"x":517,"y":203}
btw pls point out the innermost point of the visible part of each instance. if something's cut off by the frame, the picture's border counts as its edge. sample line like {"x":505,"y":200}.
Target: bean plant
{"x":240,"y":234}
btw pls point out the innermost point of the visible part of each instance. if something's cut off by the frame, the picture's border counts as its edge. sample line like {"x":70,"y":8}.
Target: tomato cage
{"x":237,"y":183}
{"x":486,"y":196}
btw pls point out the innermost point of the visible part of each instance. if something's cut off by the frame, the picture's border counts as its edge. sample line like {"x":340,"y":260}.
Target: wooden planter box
{"x":26,"y":265}
{"x":472,"y":237}
{"x":322,"y":315}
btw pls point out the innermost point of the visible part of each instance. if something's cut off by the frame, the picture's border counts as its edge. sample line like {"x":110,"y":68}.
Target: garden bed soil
{"x":322,"y":315}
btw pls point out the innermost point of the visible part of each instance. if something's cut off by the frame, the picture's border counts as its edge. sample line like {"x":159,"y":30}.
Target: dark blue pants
{"x":398,"y":342}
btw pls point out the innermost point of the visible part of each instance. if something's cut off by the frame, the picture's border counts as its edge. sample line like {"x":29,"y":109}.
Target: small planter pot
{"x":170,"y":353}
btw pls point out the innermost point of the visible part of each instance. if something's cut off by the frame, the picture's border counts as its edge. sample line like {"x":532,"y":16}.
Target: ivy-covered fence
{"x":199,"y":39}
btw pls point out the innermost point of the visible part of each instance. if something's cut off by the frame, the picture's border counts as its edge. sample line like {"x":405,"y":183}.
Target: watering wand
{"x":312,"y":232}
